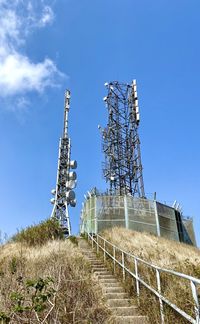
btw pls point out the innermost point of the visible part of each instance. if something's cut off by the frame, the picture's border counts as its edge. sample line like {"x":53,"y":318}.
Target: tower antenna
{"x":66,"y":179}
{"x":121,"y":144}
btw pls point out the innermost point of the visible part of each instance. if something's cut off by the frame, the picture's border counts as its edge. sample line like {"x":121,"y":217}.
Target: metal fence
{"x":107,"y":247}
{"x":106,"y":211}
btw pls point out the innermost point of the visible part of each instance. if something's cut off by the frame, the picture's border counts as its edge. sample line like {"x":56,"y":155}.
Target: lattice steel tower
{"x":66,"y":179}
{"x":121,"y":144}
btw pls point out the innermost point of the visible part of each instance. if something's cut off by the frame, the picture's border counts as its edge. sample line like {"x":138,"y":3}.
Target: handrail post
{"x":104,"y":250}
{"x":137,"y":281}
{"x":196,"y":300}
{"x":92,"y":241}
{"x":123,"y":265}
{"x":114,"y":258}
{"x":97,"y":245}
{"x":160,"y":299}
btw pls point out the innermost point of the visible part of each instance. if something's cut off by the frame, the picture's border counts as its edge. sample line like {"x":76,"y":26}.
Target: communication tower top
{"x":121,"y":144}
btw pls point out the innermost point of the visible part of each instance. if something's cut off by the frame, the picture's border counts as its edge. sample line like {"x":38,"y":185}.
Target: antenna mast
{"x":66,"y":179}
{"x":121,"y":144}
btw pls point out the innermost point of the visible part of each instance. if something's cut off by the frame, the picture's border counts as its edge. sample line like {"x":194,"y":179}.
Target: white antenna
{"x":66,"y":179}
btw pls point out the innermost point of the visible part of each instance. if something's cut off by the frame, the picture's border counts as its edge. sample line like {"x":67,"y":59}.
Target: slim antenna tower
{"x":121,"y":144}
{"x":66,"y":179}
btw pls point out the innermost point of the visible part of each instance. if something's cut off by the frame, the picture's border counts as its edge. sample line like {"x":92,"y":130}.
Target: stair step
{"x":111,"y":284}
{"x":115,"y":295}
{"x":99,"y":269}
{"x":100,"y":273}
{"x":93,"y":262}
{"x":106,"y":276}
{"x":108,"y":280}
{"x":113,"y":289}
{"x":124,"y":311}
{"x":119,"y":302}
{"x":131,"y":319}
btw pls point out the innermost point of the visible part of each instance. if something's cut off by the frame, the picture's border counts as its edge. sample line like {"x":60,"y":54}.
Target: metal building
{"x":101,"y":211}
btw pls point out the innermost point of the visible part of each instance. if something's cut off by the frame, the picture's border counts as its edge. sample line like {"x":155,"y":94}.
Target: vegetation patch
{"x":39,"y":234}
{"x":47,"y":283}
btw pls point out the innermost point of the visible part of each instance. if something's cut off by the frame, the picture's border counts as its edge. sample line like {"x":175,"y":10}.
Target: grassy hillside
{"x":167,"y":254}
{"x":46,"y":282}
{"x":45,"y":279}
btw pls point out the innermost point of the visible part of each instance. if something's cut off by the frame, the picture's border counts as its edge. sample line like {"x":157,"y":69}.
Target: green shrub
{"x":4,"y":318}
{"x":73,"y":239}
{"x":39,"y":234}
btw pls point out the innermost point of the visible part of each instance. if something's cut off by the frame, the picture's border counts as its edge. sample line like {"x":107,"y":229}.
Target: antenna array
{"x":66,"y":177}
{"x":121,"y":144}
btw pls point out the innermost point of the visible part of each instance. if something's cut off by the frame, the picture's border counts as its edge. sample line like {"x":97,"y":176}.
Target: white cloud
{"x":47,"y":16}
{"x":18,"y":74}
{"x":22,"y":103}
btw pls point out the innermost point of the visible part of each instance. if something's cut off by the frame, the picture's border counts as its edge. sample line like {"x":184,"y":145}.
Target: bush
{"x":73,"y":239}
{"x":39,"y":234}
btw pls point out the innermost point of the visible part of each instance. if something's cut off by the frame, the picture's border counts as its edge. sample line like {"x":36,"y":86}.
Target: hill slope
{"x":47,"y":284}
{"x":167,"y":254}
{"x":157,"y":250}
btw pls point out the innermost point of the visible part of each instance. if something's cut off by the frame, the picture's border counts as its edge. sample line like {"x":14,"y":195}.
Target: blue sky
{"x":47,"y":46}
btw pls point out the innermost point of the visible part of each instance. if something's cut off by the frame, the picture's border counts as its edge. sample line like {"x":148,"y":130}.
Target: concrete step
{"x":106,"y":276}
{"x":119,"y":302}
{"x":101,"y":272}
{"x":111,"y":284}
{"x":94,"y":262}
{"x":108,"y":280}
{"x":91,"y":257}
{"x":98,"y":267}
{"x":115,"y":295}
{"x":113,"y":289}
{"x":124,"y":311}
{"x":131,"y":319}
{"x":101,"y":269}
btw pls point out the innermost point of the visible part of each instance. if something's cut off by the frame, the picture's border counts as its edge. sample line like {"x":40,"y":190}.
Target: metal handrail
{"x":193,"y":281}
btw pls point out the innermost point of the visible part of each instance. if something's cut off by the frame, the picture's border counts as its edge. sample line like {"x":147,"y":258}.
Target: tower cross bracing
{"x":121,"y":144}
{"x":66,"y":179}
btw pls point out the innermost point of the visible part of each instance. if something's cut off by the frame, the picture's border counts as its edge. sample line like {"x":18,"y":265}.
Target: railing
{"x":95,"y":239}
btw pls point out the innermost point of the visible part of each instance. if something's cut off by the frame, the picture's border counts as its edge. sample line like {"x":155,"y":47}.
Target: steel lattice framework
{"x":121,"y":144}
{"x":66,"y":179}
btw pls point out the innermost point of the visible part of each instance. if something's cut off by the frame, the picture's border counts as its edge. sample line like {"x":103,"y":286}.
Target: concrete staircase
{"x":120,"y":305}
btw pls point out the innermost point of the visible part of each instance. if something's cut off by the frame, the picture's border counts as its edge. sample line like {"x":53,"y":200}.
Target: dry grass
{"x":167,"y":254}
{"x":47,"y":284}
